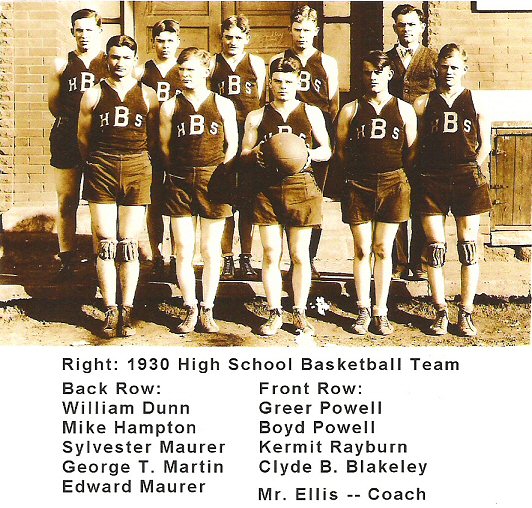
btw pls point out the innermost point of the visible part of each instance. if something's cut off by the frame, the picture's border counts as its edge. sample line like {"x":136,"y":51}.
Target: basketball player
{"x":199,"y":138}
{"x":414,"y":72}
{"x":371,"y":136}
{"x":116,"y":121}
{"x":454,"y":141}
{"x":319,"y":87}
{"x":69,"y":78}
{"x":241,"y":77}
{"x":293,"y":202}
{"x":162,"y":75}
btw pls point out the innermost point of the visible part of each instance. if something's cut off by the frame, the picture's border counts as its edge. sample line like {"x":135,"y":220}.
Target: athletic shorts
{"x":195,"y":192}
{"x":116,"y":178}
{"x":294,"y":201}
{"x":379,"y":197}
{"x":64,"y":148}
{"x":464,"y":192}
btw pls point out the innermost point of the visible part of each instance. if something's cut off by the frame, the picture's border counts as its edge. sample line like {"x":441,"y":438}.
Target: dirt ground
{"x":56,"y":316}
{"x":59,"y":323}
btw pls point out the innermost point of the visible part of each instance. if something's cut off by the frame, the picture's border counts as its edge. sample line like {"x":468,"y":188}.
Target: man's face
{"x":284,"y":85}
{"x":86,"y":32}
{"x":451,"y":70}
{"x":121,"y":61}
{"x":234,"y":41}
{"x":374,"y":79}
{"x":192,"y":73}
{"x":303,"y":34}
{"x":166,"y":45}
{"x":409,"y":29}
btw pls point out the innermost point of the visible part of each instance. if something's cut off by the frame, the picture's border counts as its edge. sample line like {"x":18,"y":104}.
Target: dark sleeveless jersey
{"x":119,"y":126}
{"x":297,"y":123}
{"x":77,"y":79}
{"x":198,"y":137}
{"x":375,"y":143}
{"x":449,"y":134}
{"x":314,"y":88}
{"x":165,"y":87}
{"x":240,"y":85}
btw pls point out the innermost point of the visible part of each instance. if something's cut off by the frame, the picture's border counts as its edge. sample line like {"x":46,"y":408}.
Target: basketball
{"x":286,"y":152}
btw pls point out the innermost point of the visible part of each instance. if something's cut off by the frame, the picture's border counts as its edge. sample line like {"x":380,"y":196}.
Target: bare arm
{"x":88,"y":103}
{"x":331,"y":67}
{"x":410,"y":120}
{"x":54,"y":86}
{"x":250,"y":148}
{"x":260,"y":71}
{"x":165,"y":129}
{"x":342,"y":131}
{"x":138,"y":72}
{"x":228,"y":112}
{"x":323,"y":151}
{"x":484,"y":137}
{"x":152,"y":119}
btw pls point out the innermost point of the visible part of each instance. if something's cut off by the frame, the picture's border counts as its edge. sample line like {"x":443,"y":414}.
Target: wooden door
{"x":200,"y":24}
{"x":199,"y":21}
{"x":511,"y":181}
{"x":269,"y":21}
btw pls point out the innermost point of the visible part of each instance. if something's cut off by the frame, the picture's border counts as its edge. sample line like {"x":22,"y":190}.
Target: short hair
{"x":165,"y":25}
{"x":407,"y":9}
{"x":303,"y":13}
{"x":288,"y":64}
{"x":378,"y":58}
{"x":121,"y":41}
{"x":449,"y":49}
{"x":239,"y":21}
{"x":192,"y":52}
{"x":85,"y":13}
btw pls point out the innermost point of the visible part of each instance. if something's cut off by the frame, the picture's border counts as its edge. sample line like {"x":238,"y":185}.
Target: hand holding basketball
{"x":287,"y":153}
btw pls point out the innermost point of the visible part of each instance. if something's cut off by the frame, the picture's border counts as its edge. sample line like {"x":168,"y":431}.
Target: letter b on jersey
{"x":378,"y":128}
{"x":197,"y":125}
{"x":233,"y":83}
{"x":163,"y":91}
{"x":121,"y":116}
{"x":450,"y":121}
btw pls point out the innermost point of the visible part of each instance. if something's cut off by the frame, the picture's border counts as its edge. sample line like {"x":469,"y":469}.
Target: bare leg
{"x":130,"y":223}
{"x":362,"y":238}
{"x":67,"y":183}
{"x":104,"y":221}
{"x":227,"y":238}
{"x":272,"y":245}
{"x":155,"y":225}
{"x":434,"y":227}
{"x":245,"y":231}
{"x":382,"y":272}
{"x":184,"y":231}
{"x":299,"y":254}
{"x":467,"y":230}
{"x":211,"y":238}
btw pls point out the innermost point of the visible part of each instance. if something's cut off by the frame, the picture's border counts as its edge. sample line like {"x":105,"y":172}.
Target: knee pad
{"x":127,"y":250}
{"x":467,"y":252}
{"x":107,"y":249}
{"x":435,"y":254}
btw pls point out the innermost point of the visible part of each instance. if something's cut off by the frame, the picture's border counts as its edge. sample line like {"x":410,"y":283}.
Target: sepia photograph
{"x":293,"y":174}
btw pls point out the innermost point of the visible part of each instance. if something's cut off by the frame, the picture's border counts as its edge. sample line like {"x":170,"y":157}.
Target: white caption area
{"x":176,"y":435}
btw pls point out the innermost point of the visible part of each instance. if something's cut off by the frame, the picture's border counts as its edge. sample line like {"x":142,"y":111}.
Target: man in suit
{"x":414,"y":71}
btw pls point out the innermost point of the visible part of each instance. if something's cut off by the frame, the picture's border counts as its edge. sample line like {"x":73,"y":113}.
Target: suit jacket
{"x":418,"y":79}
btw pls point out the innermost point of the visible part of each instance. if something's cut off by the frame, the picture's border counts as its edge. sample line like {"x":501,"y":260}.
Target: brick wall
{"x":7,"y":105}
{"x":34,"y":52}
{"x":499,"y":45}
